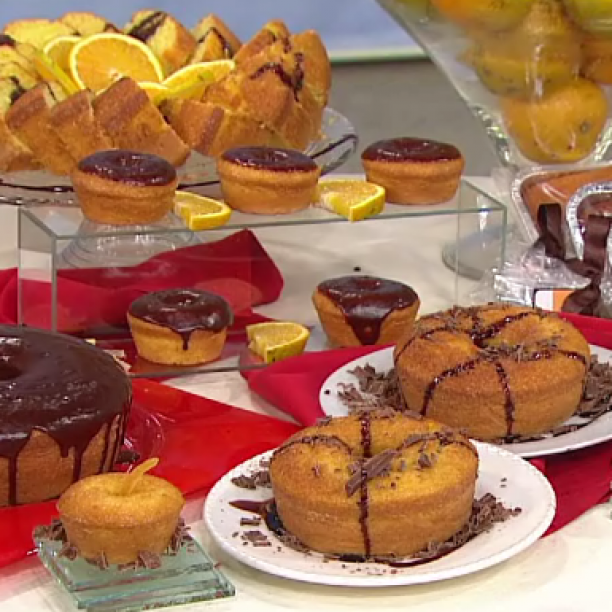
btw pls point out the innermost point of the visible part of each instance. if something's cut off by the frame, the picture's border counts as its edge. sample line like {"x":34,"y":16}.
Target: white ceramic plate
{"x":596,"y":432}
{"x":524,"y":487}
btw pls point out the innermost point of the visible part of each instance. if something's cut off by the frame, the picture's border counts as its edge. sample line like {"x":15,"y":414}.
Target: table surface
{"x":566,"y":572}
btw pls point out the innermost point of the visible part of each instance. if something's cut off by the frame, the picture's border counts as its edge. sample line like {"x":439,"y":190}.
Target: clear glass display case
{"x":266,"y":267}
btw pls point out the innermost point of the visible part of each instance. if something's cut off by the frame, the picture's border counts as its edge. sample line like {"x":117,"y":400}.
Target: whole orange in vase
{"x":597,"y":57}
{"x":562,"y":127}
{"x":490,"y":15}
{"x":591,"y":15}
{"x":541,"y":53}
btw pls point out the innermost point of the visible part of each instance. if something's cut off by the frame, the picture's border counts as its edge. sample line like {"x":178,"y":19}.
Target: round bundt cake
{"x":376,"y":484}
{"x":495,"y":370}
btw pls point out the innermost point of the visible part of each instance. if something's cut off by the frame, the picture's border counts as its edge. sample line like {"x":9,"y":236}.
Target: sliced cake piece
{"x":127,"y":115}
{"x":21,"y":54}
{"x":75,"y":124}
{"x":316,"y":64}
{"x":215,"y":40}
{"x":28,"y":119}
{"x":211,"y":129}
{"x":37,"y":32}
{"x":270,"y":33}
{"x":168,"y":39}
{"x":14,"y":154}
{"x":25,"y":78}
{"x":87,"y":24}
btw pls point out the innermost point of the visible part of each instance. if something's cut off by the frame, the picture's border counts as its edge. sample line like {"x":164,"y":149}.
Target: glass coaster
{"x":185,"y":577}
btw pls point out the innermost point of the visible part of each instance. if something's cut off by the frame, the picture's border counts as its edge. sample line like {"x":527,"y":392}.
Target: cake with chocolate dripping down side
{"x":64,"y":405}
{"x":495,"y":370}
{"x":365,"y":310}
{"x":375,"y":484}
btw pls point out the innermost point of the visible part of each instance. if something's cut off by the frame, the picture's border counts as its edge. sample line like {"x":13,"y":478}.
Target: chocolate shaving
{"x":378,"y":465}
{"x":149,"y":560}
{"x":259,"y":478}
{"x":128,"y":456}
{"x":250,"y":522}
{"x":596,"y":399}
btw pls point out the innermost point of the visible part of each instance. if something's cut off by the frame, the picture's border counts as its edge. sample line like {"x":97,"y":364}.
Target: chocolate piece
{"x":410,"y":149}
{"x":62,"y":387}
{"x":379,"y":465}
{"x":183,"y":311}
{"x":365,"y":302}
{"x":148,"y":26}
{"x":269,"y":158}
{"x":129,"y":167}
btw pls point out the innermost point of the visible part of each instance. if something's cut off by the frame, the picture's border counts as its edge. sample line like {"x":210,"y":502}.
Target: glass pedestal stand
{"x":101,"y":246}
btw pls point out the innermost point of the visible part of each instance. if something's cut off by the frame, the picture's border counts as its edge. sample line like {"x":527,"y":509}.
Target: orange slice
{"x":201,"y":213}
{"x":354,"y":199}
{"x":191,"y":81}
{"x":59,"y":50}
{"x":98,"y":61}
{"x":276,"y":340}
{"x":50,"y":71}
{"x":157,"y":92}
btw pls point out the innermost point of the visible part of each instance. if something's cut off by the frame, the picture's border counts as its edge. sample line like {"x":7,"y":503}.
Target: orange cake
{"x":414,"y":170}
{"x":127,"y":114}
{"x":374,"y":484}
{"x":179,"y":326}
{"x":270,"y":33}
{"x":364,"y":310}
{"x":494,"y":370}
{"x":215,"y":40}
{"x":118,"y":518}
{"x":171,"y":42}
{"x":264,"y":180}
{"x":63,"y":407}
{"x":120,"y":187}
{"x":29,"y":119}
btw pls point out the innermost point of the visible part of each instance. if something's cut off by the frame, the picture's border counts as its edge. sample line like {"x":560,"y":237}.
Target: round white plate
{"x":600,"y":430}
{"x":523,"y":487}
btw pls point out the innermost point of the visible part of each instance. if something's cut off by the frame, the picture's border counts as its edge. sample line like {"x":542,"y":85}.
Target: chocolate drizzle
{"x":227,"y":48}
{"x":410,"y":149}
{"x":183,"y":311}
{"x":148,"y":26}
{"x":270,"y":158}
{"x":61,"y":387}
{"x":18,"y":90}
{"x":481,"y":336}
{"x":129,"y":167}
{"x":364,"y":501}
{"x":366,"y":301}
{"x":295,"y":81}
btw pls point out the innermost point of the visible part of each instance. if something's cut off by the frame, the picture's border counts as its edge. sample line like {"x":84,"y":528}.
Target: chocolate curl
{"x":585,"y":301}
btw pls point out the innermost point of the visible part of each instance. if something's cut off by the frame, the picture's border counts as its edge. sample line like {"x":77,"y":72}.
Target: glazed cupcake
{"x":365,"y":310}
{"x":414,"y":170}
{"x":179,"y":326}
{"x":266,"y":180}
{"x":120,"y":187}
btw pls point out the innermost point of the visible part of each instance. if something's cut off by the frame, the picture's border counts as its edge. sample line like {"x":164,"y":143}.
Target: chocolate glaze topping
{"x":62,"y":387}
{"x":366,"y":301}
{"x":148,"y":26}
{"x":269,"y":158}
{"x":129,"y":167}
{"x":7,"y":40}
{"x":183,"y":311}
{"x":410,"y":149}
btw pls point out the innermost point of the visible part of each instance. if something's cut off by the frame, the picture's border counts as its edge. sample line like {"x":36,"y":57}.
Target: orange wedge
{"x":191,"y":81}
{"x":50,"y":71}
{"x":201,"y":213}
{"x":59,"y":50}
{"x":276,"y":340}
{"x":354,"y":199}
{"x":98,"y":61}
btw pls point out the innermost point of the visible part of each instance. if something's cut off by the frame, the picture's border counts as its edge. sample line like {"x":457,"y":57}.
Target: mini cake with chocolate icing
{"x":377,"y":484}
{"x":494,"y":370}
{"x":179,"y":326}
{"x":414,"y":170}
{"x":265,"y":180}
{"x":365,"y":310}
{"x":120,"y":187}
{"x":63,"y":410}
{"x":119,"y":518}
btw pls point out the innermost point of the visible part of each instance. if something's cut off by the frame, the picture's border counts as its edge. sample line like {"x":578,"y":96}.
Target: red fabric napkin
{"x":581,"y":479}
{"x":237,"y":268}
{"x":197,"y":440}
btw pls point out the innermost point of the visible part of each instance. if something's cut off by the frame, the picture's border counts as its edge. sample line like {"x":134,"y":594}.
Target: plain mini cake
{"x":414,"y":170}
{"x":179,"y":326}
{"x":494,"y":370}
{"x":118,"y":187}
{"x":377,"y":484}
{"x":365,"y":310}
